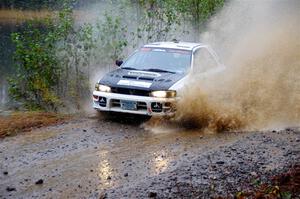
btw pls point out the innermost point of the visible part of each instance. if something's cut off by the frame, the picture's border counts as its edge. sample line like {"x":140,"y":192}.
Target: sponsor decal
{"x":144,"y":74}
{"x":180,"y":51}
{"x":145,"y":49}
{"x":156,"y":105}
{"x":135,"y":83}
{"x":159,"y":50}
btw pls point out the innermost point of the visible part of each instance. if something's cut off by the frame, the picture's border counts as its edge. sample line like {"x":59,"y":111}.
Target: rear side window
{"x":204,"y":61}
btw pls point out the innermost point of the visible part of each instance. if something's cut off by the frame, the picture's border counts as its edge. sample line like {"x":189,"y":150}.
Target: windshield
{"x":159,"y":60}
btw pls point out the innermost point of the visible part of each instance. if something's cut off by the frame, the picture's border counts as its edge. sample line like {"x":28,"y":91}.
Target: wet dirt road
{"x":85,"y":157}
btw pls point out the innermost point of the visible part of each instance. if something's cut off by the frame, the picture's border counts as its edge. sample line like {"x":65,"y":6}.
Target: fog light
{"x":156,"y":107}
{"x":102,"y":101}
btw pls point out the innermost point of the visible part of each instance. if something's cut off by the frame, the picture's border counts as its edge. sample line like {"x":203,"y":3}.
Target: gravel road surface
{"x":96,"y":158}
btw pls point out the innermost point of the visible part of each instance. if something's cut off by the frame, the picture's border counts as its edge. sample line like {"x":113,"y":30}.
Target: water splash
{"x":260,"y":88}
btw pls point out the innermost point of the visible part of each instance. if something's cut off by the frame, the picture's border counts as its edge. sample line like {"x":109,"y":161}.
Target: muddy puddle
{"x":87,"y":156}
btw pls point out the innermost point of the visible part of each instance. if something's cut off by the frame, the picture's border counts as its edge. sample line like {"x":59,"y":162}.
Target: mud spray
{"x":259,"y":42}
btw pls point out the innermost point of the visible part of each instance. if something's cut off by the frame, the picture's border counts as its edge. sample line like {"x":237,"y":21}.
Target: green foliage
{"x":49,"y":56}
{"x":286,"y":195}
{"x":36,"y":64}
{"x":111,"y":38}
{"x":54,"y":57}
{"x":164,"y":17}
{"x":36,"y":4}
{"x":74,"y":54}
{"x":159,"y":19}
{"x":256,"y":182}
{"x":198,"y":11}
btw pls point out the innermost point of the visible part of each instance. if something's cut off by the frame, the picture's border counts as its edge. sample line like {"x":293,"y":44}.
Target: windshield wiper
{"x":129,"y":68}
{"x":159,"y":70}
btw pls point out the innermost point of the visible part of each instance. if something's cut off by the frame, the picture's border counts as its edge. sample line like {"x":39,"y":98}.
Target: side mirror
{"x":119,"y":62}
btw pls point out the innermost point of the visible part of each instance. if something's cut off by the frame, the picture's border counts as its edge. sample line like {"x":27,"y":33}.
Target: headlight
{"x":97,"y":87}
{"x":103,"y":88}
{"x":163,"y":94}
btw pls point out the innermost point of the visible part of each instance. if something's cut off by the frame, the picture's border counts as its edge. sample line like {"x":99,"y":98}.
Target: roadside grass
{"x":283,"y":186}
{"x":18,"y":122}
{"x":19,"y":16}
{"x":15,"y":16}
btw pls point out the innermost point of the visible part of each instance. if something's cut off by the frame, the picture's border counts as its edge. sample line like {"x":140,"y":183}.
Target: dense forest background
{"x":53,"y":51}
{"x":42,"y":4}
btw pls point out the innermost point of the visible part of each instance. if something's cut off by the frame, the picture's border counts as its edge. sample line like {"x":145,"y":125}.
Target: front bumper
{"x":145,"y":105}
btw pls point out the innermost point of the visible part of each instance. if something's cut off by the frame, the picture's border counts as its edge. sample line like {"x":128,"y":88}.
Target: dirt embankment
{"x":16,"y":122}
{"x":15,"y":16}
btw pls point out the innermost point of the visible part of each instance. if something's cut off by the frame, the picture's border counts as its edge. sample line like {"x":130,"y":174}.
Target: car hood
{"x":143,"y":80}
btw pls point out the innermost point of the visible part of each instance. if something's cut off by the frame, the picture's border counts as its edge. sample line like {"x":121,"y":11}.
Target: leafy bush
{"x":54,"y":57}
{"x":37,"y":67}
{"x":49,"y":54}
{"x":111,"y":37}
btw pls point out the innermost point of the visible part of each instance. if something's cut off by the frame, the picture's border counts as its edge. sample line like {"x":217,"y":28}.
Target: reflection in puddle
{"x":160,"y":162}
{"x":104,"y":169}
{"x":164,"y":129}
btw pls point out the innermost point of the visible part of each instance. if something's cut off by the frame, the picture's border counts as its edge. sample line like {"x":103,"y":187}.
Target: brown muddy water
{"x":259,"y":44}
{"x":88,"y":156}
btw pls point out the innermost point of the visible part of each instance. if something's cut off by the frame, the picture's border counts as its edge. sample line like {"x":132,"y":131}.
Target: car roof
{"x":175,"y":45}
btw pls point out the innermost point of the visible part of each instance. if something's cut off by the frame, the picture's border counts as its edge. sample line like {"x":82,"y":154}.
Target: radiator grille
{"x":130,"y":91}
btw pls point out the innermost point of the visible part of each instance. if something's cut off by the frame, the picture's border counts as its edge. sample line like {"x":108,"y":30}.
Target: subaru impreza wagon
{"x":149,"y":81}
